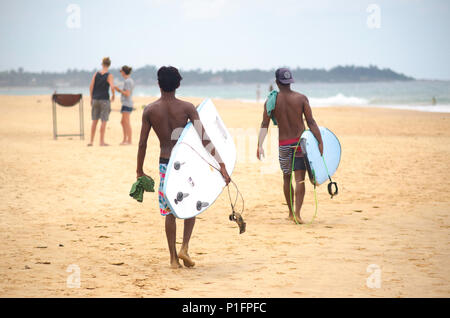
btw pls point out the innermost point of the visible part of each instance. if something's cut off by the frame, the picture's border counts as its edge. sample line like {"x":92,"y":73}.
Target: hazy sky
{"x":412,"y":38}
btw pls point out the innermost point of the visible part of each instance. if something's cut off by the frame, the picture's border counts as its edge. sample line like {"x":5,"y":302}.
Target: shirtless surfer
{"x":290,"y":107}
{"x":167,"y":115}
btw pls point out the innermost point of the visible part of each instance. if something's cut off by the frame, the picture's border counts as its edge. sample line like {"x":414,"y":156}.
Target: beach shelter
{"x":67,"y":100}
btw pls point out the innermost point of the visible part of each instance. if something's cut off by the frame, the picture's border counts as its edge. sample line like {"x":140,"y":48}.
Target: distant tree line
{"x":147,"y":76}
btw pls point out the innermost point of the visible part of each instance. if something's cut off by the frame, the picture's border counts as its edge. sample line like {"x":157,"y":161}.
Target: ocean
{"x":411,"y":95}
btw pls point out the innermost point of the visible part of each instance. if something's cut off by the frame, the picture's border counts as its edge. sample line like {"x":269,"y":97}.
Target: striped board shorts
{"x":286,"y":152}
{"x":164,"y":208}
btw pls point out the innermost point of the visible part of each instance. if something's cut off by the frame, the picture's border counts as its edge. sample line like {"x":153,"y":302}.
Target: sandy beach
{"x":63,"y":204}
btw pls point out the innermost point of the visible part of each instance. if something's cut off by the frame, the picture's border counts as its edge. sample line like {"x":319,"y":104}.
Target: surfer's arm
{"x":207,"y":143}
{"x":262,"y":132}
{"x":198,"y":125}
{"x":312,"y":124}
{"x":145,"y":130}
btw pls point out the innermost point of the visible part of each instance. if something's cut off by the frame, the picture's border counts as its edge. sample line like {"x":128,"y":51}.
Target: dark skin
{"x":289,"y":111}
{"x":168,"y":116}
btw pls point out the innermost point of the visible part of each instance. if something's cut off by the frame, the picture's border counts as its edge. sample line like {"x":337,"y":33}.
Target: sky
{"x":408,"y":36}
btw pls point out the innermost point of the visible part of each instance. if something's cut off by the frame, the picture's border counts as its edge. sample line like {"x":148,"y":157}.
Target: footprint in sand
{"x":117,"y":263}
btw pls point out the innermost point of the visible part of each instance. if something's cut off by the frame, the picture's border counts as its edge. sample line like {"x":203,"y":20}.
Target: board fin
{"x":180,"y":197}
{"x":201,"y":205}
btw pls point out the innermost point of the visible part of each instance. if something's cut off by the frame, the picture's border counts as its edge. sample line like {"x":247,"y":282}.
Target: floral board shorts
{"x":164,"y":208}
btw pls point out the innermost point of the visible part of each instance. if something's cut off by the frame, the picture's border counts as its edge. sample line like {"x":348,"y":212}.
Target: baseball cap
{"x":284,"y":76}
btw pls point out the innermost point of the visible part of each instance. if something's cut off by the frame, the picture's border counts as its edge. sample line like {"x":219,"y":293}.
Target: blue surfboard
{"x":320,"y":169}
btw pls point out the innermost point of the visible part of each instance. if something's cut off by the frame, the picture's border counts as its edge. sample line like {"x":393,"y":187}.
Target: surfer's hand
{"x":321,"y":149}
{"x":140,"y":174}
{"x":260,"y":152}
{"x":224,"y":173}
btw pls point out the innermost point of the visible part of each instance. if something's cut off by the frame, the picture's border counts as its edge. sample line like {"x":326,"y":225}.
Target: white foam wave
{"x":421,"y":108}
{"x":338,"y":100}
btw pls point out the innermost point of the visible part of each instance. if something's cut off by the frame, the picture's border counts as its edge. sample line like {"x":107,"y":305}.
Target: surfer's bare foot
{"x":299,"y":219}
{"x":174,"y":264}
{"x":186,"y":258}
{"x":124,"y":143}
{"x":104,"y":144}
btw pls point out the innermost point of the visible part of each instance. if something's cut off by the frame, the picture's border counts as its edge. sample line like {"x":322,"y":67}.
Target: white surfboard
{"x":191,"y":185}
{"x":321,"y":169}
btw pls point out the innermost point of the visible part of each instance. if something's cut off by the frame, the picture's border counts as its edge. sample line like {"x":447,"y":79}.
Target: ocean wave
{"x":420,"y":108}
{"x":342,"y":100}
{"x":338,"y":100}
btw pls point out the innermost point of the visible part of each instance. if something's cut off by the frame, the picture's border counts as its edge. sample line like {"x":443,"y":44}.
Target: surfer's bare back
{"x":167,"y":115}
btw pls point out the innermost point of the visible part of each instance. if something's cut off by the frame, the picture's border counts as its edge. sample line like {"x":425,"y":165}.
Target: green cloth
{"x":270,"y":105}
{"x":142,"y":183}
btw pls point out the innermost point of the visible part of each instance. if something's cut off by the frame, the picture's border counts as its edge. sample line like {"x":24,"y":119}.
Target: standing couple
{"x":101,"y":83}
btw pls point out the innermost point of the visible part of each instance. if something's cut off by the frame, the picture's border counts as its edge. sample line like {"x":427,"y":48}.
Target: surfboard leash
{"x":234,"y":216}
{"x":331,"y":184}
{"x":290,"y":189}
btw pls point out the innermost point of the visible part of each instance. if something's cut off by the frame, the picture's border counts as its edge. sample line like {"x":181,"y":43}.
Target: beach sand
{"x":63,"y":204}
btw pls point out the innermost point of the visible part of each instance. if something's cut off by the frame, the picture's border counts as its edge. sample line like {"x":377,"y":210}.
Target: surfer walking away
{"x":167,"y":115}
{"x":287,"y":108}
